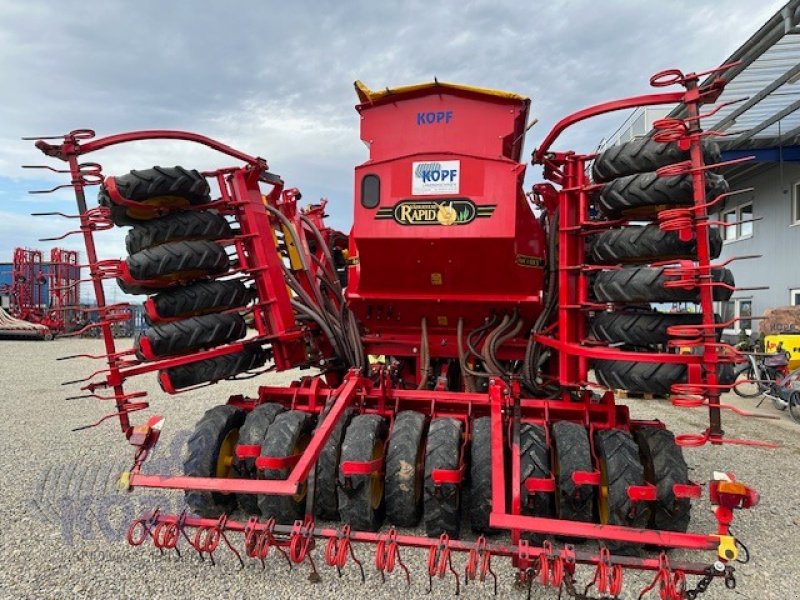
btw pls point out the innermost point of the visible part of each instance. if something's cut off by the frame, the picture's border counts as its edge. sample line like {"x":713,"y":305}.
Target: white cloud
{"x":275,"y":79}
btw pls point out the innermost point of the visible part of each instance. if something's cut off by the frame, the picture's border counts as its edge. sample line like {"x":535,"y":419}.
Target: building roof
{"x":765,"y":119}
{"x":766,"y":84}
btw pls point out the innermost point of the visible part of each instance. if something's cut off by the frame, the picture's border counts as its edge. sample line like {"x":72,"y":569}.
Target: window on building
{"x":734,"y":228}
{"x":729,"y":216}
{"x":746,"y":214}
{"x":796,"y":203}
{"x":738,"y":308}
{"x":794,"y":297}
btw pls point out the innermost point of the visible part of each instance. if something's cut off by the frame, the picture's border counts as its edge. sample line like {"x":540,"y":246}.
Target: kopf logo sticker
{"x":430,"y":118}
{"x":435,"y":178}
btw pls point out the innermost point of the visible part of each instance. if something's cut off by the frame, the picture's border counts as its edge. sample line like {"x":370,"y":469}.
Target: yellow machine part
{"x":791,"y":344}
{"x":294,"y":256}
{"x":367,"y":95}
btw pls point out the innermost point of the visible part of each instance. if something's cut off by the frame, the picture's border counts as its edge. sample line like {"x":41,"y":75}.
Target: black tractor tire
{"x":534,"y":461}
{"x":160,"y":186}
{"x":405,"y":468}
{"x":214,"y":369}
{"x":361,"y":504}
{"x":620,"y":467}
{"x":643,"y":329}
{"x":217,"y":427}
{"x":642,"y":155}
{"x":644,"y":244}
{"x":288,"y":435}
{"x":664,"y":466}
{"x":326,"y":498}
{"x":173,"y":263}
{"x":442,"y":507}
{"x":204,"y":297}
{"x":646,"y":193}
{"x":572,"y":452}
{"x":646,"y":284}
{"x":253,"y":432}
{"x":192,"y":334}
{"x":649,"y":378}
{"x":640,"y":377}
{"x":480,"y":476}
{"x":177,"y":227}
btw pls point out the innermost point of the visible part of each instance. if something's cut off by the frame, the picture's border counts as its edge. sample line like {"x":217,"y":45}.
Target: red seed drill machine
{"x":453,"y":330}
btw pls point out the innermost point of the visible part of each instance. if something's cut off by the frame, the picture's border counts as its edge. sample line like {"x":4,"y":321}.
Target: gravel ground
{"x":63,"y":522}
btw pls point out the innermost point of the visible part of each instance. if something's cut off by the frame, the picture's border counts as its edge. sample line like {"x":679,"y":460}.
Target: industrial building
{"x":759,"y":125}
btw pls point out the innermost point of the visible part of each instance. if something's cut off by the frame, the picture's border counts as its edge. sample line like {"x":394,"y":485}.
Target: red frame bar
{"x":298,"y":474}
{"x":540,"y":153}
{"x":531,"y":552}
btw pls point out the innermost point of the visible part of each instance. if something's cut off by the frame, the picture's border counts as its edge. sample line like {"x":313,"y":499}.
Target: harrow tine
{"x":358,"y":562}
{"x":387,"y":556}
{"x":479,"y":564}
{"x":338,"y":548}
{"x":220,"y":529}
{"x":530,"y":575}
{"x":300,"y":544}
{"x":206,"y":540}
{"x":145,"y":525}
{"x":440,"y":561}
{"x":180,"y":527}
{"x":251,"y":538}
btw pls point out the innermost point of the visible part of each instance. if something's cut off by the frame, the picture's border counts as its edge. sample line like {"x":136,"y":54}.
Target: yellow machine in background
{"x":790,"y":342}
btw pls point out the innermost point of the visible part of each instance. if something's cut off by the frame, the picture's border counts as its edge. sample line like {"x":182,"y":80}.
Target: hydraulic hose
{"x":469,"y":379}
{"x":499,"y":341}
{"x":488,"y":360}
{"x":530,"y":367}
{"x":478,"y":334}
{"x":424,"y":356}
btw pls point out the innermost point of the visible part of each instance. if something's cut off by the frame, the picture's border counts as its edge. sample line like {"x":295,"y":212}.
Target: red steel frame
{"x":60,"y":277}
{"x":240,"y":197}
{"x":28,"y":281}
{"x":64,"y":289}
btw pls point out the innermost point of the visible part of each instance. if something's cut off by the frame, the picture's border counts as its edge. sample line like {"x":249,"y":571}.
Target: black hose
{"x":530,"y":370}
{"x":310,"y":313}
{"x":424,"y":356}
{"x":333,"y":282}
{"x":500,"y":340}
{"x":469,"y":381}
{"x":478,"y":334}
{"x":488,"y":360}
{"x":323,"y":246}
{"x":348,"y":342}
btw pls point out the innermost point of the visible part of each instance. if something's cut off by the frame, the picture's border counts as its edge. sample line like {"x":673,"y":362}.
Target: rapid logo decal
{"x":452,"y":211}
{"x":435,"y":178}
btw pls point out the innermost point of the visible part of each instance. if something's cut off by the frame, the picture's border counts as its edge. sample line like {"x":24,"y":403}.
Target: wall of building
{"x":775,"y":236}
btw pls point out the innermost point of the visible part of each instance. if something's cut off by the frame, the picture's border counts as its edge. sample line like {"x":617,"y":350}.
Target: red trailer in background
{"x":46,"y":293}
{"x":64,"y":290}
{"x":28,"y":285}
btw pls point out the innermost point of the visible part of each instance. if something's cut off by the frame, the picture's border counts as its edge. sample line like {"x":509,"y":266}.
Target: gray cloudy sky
{"x":275,"y":78}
